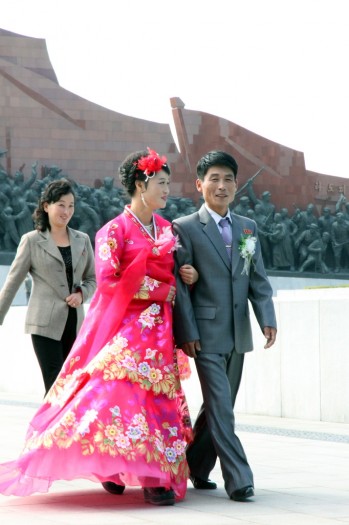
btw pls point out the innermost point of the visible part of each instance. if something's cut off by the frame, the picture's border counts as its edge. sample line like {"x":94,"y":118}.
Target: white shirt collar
{"x":216,"y":217}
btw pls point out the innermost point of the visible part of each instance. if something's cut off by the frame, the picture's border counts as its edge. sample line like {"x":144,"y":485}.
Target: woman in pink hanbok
{"x":116,"y":413}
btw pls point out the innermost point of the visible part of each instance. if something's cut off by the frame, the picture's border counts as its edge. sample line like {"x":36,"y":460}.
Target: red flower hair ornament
{"x":151,"y":164}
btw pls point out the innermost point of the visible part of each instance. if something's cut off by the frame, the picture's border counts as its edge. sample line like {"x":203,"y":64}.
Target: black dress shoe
{"x":159,"y":496}
{"x":113,"y":488}
{"x":202,"y":484}
{"x":242,"y":494}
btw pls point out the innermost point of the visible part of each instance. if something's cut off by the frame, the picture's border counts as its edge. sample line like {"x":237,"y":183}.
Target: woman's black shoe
{"x":113,"y":488}
{"x":159,"y":496}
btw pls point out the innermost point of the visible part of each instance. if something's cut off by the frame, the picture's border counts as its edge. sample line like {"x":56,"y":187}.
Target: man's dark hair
{"x":215,"y":158}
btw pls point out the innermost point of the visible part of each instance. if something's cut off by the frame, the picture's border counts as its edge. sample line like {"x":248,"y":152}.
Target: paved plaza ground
{"x":301,"y":473}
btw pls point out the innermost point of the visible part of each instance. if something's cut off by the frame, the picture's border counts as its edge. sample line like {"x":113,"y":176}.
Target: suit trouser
{"x":214,"y":429}
{"x":51,"y":354}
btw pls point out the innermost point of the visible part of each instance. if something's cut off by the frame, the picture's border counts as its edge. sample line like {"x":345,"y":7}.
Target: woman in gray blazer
{"x":60,"y":261}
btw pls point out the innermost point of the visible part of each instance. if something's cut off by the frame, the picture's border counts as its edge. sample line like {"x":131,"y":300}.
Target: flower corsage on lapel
{"x":247,"y":248}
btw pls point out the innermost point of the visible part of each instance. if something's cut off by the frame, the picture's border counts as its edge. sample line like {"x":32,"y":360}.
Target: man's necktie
{"x":226,"y":234}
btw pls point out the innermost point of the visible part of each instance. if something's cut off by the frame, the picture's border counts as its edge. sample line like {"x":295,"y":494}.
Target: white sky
{"x":276,"y":67}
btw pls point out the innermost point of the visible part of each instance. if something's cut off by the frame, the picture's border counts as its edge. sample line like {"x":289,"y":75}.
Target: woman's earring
{"x":143,"y":200}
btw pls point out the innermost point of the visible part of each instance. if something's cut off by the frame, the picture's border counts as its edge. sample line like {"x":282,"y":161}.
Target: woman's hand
{"x":74,"y":300}
{"x":188,"y":274}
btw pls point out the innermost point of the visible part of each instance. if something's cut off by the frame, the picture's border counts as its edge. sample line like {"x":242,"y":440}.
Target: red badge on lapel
{"x":247,"y":232}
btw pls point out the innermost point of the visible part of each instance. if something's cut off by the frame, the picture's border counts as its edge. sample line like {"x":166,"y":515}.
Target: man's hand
{"x":270,"y":334}
{"x":191,"y":348}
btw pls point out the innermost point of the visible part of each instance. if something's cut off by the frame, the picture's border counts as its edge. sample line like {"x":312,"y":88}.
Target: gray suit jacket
{"x":38,"y":255}
{"x":216,"y":310}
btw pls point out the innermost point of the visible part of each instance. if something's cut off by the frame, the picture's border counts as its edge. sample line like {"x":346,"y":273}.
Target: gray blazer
{"x":38,"y":255}
{"x":216,"y":310}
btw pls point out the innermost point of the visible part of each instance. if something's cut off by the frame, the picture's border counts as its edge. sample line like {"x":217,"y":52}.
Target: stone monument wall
{"x":41,"y":121}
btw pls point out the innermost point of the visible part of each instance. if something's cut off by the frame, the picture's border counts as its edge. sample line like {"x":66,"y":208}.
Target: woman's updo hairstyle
{"x":129,"y":172}
{"x":52,"y":193}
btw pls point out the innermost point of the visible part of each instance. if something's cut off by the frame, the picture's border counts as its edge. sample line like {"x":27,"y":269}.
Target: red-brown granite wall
{"x":40,"y":121}
{"x":284,"y":173}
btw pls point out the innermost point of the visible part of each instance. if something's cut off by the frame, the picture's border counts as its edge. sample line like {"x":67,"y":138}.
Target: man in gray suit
{"x":211,"y":321}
